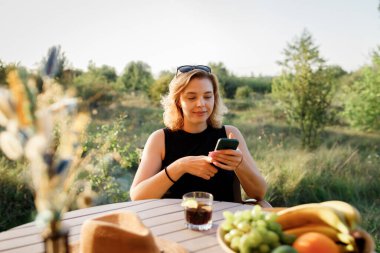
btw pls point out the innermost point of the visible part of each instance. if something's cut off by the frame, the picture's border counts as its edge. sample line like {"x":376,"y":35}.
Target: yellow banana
{"x":351,"y":214}
{"x":346,"y":239}
{"x":306,"y":214}
{"x":343,"y":248}
{"x":323,"y":229}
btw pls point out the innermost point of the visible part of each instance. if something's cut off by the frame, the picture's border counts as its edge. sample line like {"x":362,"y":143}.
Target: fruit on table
{"x":335,"y":219}
{"x":284,"y":249}
{"x":313,"y":242}
{"x":350,"y":213}
{"x":323,"y":229}
{"x":253,"y":231}
{"x":307,"y":214}
{"x":330,"y":226}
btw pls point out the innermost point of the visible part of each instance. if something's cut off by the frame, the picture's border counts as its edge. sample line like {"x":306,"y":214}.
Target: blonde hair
{"x":173,"y":116}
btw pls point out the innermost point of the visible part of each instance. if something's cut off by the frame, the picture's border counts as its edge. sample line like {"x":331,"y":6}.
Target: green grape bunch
{"x":253,"y":231}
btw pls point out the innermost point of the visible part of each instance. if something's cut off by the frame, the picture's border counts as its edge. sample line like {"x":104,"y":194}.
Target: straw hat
{"x":121,"y":231}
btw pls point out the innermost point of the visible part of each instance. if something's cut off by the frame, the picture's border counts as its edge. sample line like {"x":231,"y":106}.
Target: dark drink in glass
{"x":200,"y":215}
{"x":198,"y":210}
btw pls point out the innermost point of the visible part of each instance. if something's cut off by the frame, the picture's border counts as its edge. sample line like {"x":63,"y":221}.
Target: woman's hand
{"x":199,"y":166}
{"x":227,"y":159}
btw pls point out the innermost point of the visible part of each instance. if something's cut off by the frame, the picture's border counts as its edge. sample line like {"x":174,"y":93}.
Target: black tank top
{"x":179,"y":144}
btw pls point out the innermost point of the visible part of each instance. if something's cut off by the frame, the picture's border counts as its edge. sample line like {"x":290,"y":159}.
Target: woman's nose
{"x":200,"y":102}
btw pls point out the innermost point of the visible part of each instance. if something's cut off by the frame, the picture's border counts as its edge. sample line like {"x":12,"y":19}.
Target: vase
{"x":56,"y":239}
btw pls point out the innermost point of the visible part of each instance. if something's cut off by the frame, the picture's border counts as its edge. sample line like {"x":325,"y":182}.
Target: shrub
{"x":111,"y":175}
{"x":362,"y":103}
{"x":243,"y":92}
{"x":93,"y":87}
{"x":16,"y":199}
{"x":160,"y":86}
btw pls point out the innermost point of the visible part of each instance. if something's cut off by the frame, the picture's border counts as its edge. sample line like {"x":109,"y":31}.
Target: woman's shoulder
{"x":231,"y":129}
{"x":156,"y":142}
{"x":157,"y":135}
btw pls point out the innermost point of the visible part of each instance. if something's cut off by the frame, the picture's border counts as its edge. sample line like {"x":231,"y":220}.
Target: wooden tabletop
{"x":164,"y":217}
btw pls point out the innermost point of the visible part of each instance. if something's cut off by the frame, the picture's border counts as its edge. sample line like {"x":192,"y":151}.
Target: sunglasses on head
{"x":188,"y":68}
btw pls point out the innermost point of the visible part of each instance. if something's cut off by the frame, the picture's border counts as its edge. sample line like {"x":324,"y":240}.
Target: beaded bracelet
{"x":167,"y":174}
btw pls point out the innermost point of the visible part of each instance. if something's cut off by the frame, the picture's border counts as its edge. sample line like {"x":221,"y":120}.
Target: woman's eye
{"x":208,"y":97}
{"x":191,"y":98}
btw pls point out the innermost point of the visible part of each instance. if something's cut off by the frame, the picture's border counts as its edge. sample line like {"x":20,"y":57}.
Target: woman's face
{"x":197,"y":101}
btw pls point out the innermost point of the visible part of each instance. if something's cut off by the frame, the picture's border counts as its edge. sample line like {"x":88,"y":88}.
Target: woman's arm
{"x":150,"y":182}
{"x":243,"y":164}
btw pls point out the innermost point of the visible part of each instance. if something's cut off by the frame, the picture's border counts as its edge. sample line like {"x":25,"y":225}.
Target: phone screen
{"x":226,"y":143}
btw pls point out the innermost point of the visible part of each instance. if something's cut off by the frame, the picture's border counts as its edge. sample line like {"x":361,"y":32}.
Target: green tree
{"x":305,"y":88}
{"x":137,"y":76}
{"x":160,"y":86}
{"x":228,"y":83}
{"x":336,"y":71}
{"x":108,"y":72}
{"x":362,"y":102}
{"x":220,"y":71}
{"x":97,"y":83}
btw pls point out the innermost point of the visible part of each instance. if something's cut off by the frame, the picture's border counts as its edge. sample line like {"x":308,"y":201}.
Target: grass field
{"x":344,"y":167}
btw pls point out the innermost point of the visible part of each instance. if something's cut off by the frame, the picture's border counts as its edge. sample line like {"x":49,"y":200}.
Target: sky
{"x":248,"y":36}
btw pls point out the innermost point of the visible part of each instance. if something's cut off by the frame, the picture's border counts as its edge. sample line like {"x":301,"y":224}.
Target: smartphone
{"x":226,"y":143}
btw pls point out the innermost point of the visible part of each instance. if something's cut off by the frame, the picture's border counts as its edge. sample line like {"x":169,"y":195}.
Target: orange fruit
{"x":313,"y":242}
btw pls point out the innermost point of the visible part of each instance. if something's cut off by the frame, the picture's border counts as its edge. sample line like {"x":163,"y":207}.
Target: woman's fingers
{"x":230,"y":158}
{"x":210,"y":170}
{"x":223,"y":166}
{"x":206,"y":175}
{"x":226,"y":159}
{"x":201,"y":166}
{"x":225,"y":152}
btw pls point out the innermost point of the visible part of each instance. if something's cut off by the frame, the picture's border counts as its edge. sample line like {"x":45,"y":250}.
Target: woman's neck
{"x":194,"y":128}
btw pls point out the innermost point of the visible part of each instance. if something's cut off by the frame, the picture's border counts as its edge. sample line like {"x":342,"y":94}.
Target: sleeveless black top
{"x":179,"y":144}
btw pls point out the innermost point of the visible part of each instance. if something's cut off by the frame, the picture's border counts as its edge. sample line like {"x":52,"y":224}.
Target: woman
{"x":180,"y":158}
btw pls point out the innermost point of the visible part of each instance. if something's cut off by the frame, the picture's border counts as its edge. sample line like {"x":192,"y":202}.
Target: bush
{"x":97,"y":84}
{"x":362,"y":104}
{"x":243,"y":92}
{"x":16,"y":199}
{"x":160,"y":86}
{"x":259,"y":84}
{"x":111,"y":175}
